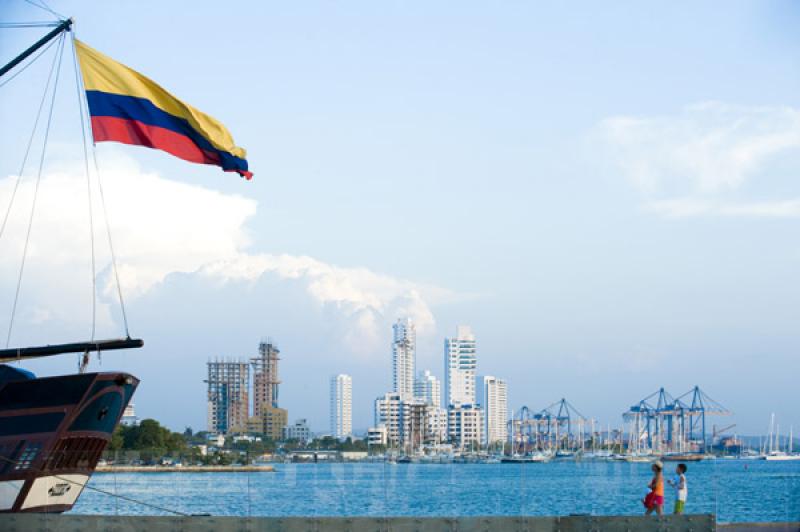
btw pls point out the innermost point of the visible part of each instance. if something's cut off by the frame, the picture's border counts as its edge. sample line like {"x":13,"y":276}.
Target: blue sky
{"x":607,"y":194}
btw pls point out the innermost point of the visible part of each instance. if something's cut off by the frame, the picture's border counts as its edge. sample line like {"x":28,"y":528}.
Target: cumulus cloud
{"x":162,"y":227}
{"x":699,"y":161}
{"x":369,"y":299}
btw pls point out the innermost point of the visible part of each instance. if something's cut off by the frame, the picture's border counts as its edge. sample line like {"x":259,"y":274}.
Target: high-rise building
{"x":465,"y":426}
{"x":460,"y":360}
{"x":428,"y":389}
{"x":493,"y":398}
{"x":228,"y":400}
{"x":404,"y":355}
{"x":265,"y":377}
{"x":341,"y":406}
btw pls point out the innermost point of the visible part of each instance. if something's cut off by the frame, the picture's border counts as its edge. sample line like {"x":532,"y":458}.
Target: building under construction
{"x":229,"y":393}
{"x":265,"y":377}
{"x":663,"y":423}
{"x":228,"y":399}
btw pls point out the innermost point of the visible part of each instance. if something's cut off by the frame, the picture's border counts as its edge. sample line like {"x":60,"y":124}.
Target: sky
{"x":606,"y":193}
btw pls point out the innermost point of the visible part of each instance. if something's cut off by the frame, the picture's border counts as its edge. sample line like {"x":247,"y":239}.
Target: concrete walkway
{"x":95,"y":523}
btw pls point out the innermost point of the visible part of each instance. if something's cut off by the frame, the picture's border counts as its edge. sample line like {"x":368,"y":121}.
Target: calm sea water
{"x":736,"y":490}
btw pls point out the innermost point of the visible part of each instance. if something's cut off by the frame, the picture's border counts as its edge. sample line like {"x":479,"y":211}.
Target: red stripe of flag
{"x":108,"y":128}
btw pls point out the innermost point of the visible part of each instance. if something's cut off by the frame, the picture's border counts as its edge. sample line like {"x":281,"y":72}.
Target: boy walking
{"x":681,"y":491}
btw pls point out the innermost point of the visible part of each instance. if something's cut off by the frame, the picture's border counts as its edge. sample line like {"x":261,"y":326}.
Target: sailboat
{"x":775,"y":454}
{"x":53,"y":430}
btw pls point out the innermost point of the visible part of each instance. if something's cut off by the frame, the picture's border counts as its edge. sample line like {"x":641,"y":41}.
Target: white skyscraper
{"x":428,"y":388}
{"x":493,"y":397}
{"x":404,"y":355}
{"x":460,"y":360}
{"x":341,"y":406}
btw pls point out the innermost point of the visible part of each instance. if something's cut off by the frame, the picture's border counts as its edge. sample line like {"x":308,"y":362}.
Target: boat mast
{"x":64,"y":26}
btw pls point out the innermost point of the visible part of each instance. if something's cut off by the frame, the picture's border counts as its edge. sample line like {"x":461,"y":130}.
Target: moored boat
{"x":53,"y":431}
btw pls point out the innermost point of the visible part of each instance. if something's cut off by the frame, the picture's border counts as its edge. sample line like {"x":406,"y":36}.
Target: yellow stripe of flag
{"x":101,"y":73}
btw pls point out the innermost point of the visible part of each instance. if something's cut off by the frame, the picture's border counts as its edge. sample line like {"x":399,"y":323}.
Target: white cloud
{"x":699,"y":161}
{"x":162,"y":227}
{"x":369,"y":300}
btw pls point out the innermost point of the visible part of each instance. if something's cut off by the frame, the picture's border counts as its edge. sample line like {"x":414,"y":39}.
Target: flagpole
{"x":64,"y":26}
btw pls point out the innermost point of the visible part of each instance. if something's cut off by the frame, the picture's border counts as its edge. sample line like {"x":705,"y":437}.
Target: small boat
{"x":533,"y":458}
{"x":774,"y":453}
{"x":780,"y":456}
{"x":683,"y":457}
{"x":639,"y":458}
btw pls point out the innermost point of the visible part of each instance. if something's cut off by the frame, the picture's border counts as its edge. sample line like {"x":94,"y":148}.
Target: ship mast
{"x":20,"y":353}
{"x":65,"y":25}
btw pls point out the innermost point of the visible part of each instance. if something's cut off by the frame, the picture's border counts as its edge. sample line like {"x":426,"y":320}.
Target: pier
{"x":186,"y":469}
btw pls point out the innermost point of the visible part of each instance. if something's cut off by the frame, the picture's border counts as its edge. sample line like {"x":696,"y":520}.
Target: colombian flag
{"x":127,"y":107}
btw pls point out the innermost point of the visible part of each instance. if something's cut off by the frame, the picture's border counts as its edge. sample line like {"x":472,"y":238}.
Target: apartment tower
{"x":460,"y":361}
{"x":341,"y":406}
{"x":404,"y":355}
{"x":493,"y":397}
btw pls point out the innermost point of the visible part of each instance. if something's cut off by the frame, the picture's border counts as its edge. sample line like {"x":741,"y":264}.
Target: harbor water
{"x":734,"y":490}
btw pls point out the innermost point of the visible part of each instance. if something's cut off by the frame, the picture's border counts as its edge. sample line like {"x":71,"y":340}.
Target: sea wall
{"x":97,"y":523}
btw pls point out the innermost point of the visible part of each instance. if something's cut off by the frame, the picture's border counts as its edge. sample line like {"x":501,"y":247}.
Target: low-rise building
{"x":437,"y":425}
{"x":390,"y":411}
{"x":465,"y":426}
{"x":298,"y":431}
{"x":129,"y":418}
{"x":269,"y":424}
{"x":217,"y":440}
{"x":377,"y":436}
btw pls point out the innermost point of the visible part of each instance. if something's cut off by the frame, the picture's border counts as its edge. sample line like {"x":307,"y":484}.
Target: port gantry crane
{"x":548,"y":429}
{"x":672,"y":424}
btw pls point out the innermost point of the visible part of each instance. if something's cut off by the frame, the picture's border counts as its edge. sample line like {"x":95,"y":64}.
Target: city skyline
{"x":600,"y":213}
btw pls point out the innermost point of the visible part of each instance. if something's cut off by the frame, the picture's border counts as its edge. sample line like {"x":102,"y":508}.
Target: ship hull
{"x":53,"y":431}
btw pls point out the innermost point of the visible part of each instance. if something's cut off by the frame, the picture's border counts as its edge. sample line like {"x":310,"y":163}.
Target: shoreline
{"x":184,"y":469}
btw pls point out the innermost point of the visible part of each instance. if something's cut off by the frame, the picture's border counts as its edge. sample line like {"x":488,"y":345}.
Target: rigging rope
{"x":42,"y":5}
{"x":88,"y":186}
{"x":30,"y":143}
{"x":60,"y":55}
{"x":85,"y":114}
{"x":29,"y":63}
